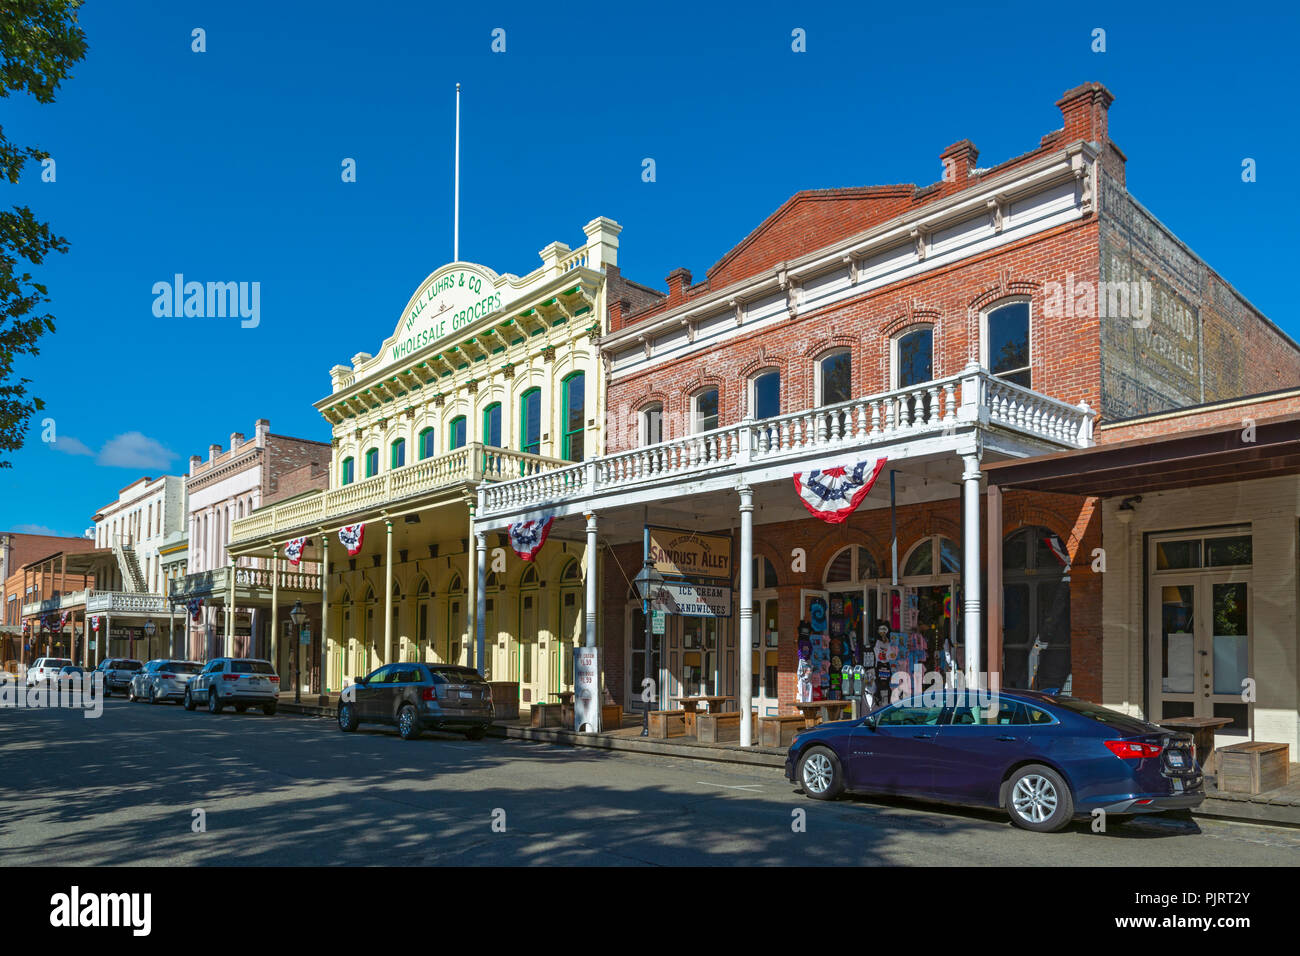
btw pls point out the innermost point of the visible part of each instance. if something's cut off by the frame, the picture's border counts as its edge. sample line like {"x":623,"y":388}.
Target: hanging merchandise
{"x":527,"y":537}
{"x":293,"y":550}
{"x":351,"y":536}
{"x":834,"y":493}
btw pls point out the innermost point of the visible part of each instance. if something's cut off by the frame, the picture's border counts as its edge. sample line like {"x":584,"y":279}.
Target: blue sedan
{"x":1046,"y":760}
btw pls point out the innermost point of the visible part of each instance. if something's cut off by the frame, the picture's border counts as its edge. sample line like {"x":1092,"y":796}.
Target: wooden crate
{"x":1254,"y":767}
{"x":779,"y":731}
{"x":505,"y":699}
{"x":546,"y":715}
{"x":611,"y":716}
{"x":667,"y":723}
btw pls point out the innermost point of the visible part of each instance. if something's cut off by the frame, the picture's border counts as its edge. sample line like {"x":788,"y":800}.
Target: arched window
{"x":765,"y":394}
{"x":426,"y":446}
{"x":914,"y":357}
{"x":492,"y":425}
{"x":572,"y":573}
{"x":1005,"y":339}
{"x":850,"y":565}
{"x":455,"y":586}
{"x":834,"y":377}
{"x":652,"y":424}
{"x":456,"y":433}
{"x":704,"y":410}
{"x":574,"y":416}
{"x":372,"y":462}
{"x":349,"y":471}
{"x":932,"y":556}
{"x":529,"y":578}
{"x":530,"y":422}
{"x":1035,"y":608}
{"x":399,"y":453}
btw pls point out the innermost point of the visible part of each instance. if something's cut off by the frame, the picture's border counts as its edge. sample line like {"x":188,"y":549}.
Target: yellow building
{"x":485,"y":377}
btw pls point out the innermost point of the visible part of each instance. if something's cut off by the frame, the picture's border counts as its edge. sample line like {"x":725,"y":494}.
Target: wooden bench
{"x":546,"y":715}
{"x":667,"y":723}
{"x":779,"y":730}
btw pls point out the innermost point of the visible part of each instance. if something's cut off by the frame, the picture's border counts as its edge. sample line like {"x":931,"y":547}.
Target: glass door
{"x":763,"y":651}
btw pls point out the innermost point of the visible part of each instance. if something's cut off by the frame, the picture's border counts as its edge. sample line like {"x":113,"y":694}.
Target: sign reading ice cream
{"x":449,"y":301}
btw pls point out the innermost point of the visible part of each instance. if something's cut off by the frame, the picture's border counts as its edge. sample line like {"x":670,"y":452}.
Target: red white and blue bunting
{"x":527,"y":537}
{"x":94,"y":623}
{"x":351,"y":535}
{"x":293,"y":550}
{"x":1058,"y":549}
{"x":194,"y":606}
{"x":833,"y":493}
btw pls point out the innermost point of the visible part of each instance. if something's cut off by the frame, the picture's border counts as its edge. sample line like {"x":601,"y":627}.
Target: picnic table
{"x":1202,"y":730}
{"x":692,"y":707}
{"x":816,"y":711}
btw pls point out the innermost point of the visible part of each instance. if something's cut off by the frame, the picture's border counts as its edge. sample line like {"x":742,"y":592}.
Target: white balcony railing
{"x":470,"y":463}
{"x":216,"y":583}
{"x":973,"y":397}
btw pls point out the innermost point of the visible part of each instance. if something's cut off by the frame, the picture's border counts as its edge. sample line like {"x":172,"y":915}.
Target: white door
{"x":764,"y":654}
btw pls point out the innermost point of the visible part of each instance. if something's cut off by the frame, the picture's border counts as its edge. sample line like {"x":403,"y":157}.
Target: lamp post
{"x":298,"y":616}
{"x":149,"y":628}
{"x":647,"y":583}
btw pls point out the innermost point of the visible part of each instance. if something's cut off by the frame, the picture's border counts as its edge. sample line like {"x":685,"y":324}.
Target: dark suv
{"x":416,"y":697}
{"x":118,"y":672}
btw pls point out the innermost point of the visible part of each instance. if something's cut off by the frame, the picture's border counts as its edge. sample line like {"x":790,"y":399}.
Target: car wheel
{"x":214,"y":705}
{"x":476,"y":733}
{"x":347,"y":718}
{"x":820,"y":774}
{"x":1039,"y":800}
{"x":189,"y":700}
{"x":408,"y":723}
{"x":130,"y":694}
{"x":269,"y":709}
{"x":153,"y":695}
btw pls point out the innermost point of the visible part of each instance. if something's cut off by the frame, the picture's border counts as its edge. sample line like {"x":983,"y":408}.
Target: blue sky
{"x":225,"y":166}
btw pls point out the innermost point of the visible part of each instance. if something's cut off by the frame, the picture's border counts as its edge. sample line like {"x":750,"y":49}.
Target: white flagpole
{"x":455,"y":241}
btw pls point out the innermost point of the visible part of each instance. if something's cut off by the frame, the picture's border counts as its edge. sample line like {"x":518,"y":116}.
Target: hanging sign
{"x":351,"y":535}
{"x":679,"y":553}
{"x":527,"y":537}
{"x":693,"y":599}
{"x":658,"y":620}
{"x":834,"y":493}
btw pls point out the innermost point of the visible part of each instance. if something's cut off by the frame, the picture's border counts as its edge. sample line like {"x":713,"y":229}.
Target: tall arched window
{"x":426,"y":443}
{"x":349,"y":474}
{"x":372,"y":462}
{"x":530,"y":421}
{"x":456,"y":433}
{"x":652,"y":424}
{"x":492,"y":425}
{"x":914,"y":357}
{"x":1006,"y":342}
{"x":398,"y":458}
{"x":765,"y":394}
{"x":574,"y":416}
{"x":704,"y":410}
{"x":834,"y":377}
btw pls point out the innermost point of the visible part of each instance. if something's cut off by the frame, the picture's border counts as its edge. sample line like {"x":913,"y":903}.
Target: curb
{"x":658,"y":748}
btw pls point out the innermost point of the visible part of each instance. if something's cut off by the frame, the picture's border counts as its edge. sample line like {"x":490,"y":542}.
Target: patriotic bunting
{"x":351,"y":536}
{"x":293,"y":550}
{"x":94,"y":623}
{"x":194,"y":606}
{"x":527,"y":537}
{"x":1058,"y":549}
{"x":832,"y":494}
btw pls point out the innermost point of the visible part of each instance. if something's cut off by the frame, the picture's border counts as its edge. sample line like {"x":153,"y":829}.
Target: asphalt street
{"x":124,"y":789}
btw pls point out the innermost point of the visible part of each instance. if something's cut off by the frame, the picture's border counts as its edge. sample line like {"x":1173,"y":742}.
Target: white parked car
{"x":163,"y":680}
{"x":239,"y":681}
{"x":45,"y":669}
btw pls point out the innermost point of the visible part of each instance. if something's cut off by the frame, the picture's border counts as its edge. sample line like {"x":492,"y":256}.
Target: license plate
{"x":467,"y":695}
{"x":1176,"y":760}
{"x":1178,"y":783}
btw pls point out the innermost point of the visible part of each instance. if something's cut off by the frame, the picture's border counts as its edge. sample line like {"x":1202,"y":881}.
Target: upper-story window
{"x":530,"y":421}
{"x":575,"y":406}
{"x":834,"y":377}
{"x":914,"y":357}
{"x":1006,"y":342}
{"x":765,"y":395}
{"x":399,"y":453}
{"x":652,"y":424}
{"x":492,"y":425}
{"x":704,"y":410}
{"x":372,"y":462}
{"x":426,"y":443}
{"x":456,"y":432}
{"x":349,"y":471}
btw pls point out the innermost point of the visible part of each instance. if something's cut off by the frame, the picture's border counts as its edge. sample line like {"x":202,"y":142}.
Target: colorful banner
{"x":832,"y":494}
{"x":293,"y":550}
{"x":351,"y":536}
{"x":194,"y":606}
{"x":527,"y":537}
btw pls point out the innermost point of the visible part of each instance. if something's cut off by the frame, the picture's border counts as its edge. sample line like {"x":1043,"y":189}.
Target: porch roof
{"x":1205,"y":456}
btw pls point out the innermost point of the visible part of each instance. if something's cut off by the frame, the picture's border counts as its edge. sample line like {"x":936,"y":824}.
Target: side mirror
{"x":869,"y":722}
{"x":359,"y":681}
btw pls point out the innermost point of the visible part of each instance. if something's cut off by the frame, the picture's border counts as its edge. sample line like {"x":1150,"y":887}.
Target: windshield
{"x":456,"y":675}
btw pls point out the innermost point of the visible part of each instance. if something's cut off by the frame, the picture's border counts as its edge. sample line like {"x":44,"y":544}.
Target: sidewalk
{"x":1278,"y":807}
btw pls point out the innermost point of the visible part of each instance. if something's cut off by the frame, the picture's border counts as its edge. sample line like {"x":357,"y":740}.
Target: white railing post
{"x":1085,"y":427}
{"x":972,"y":408}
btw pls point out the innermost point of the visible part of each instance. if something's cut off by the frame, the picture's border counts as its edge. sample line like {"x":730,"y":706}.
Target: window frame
{"x":347,"y":471}
{"x":819,"y":384}
{"x":395,"y":446}
{"x":375,"y":452}
{"x":895,"y":364}
{"x":566,"y":433}
{"x":463,"y":420}
{"x":421,"y":443}
{"x":985,"y":359}
{"x":752,"y":387}
{"x":696,"y":422}
{"x":644,"y":437}
{"x":530,"y":448}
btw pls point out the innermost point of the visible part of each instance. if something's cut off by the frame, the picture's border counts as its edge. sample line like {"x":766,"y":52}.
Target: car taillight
{"x":274,"y":679}
{"x":230,"y":677}
{"x":167,"y":676}
{"x":428,"y":693}
{"x":1132,"y":749}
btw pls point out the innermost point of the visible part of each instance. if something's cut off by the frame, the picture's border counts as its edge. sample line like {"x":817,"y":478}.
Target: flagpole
{"x":455,"y":240}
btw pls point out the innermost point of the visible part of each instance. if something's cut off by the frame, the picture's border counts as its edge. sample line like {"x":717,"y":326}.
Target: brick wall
{"x":309,"y":477}
{"x":289,"y":464}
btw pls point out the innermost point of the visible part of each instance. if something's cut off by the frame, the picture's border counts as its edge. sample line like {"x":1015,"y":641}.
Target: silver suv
{"x":239,"y":681}
{"x":163,"y":680}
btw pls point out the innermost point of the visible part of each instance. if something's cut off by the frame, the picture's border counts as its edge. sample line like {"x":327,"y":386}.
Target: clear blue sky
{"x":225,"y":166}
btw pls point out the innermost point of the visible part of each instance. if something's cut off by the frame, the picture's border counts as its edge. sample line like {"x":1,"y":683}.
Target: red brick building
{"x":999,"y":314}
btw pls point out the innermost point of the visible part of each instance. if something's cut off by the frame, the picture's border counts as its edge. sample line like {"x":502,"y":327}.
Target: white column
{"x":388,"y":595}
{"x":970,"y":534}
{"x":746,"y":612}
{"x":993,"y":617}
{"x":480,"y":602}
{"x":324,"y":613}
{"x":230,"y":613}
{"x":275,"y":609}
{"x":477,"y":582}
{"x":593,"y":553}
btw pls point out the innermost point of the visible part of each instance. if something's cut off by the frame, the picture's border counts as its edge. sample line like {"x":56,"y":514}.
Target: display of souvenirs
{"x":918,"y":653}
{"x":804,"y":676}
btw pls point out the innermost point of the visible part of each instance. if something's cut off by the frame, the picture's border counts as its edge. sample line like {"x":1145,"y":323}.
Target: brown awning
{"x":1205,"y":456}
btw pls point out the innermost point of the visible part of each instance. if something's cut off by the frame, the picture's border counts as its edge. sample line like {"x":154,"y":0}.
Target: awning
{"x":1206,"y":456}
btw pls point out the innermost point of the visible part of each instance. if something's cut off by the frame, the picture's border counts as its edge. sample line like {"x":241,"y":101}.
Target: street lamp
{"x":299,"y":617}
{"x":648,"y":582}
{"x":149,"y":628}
